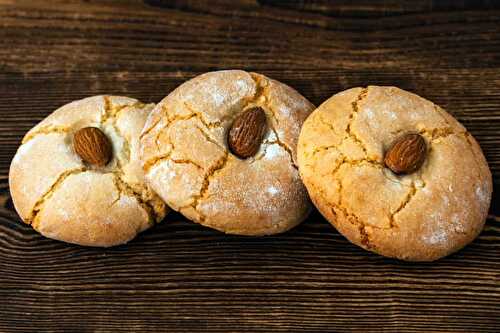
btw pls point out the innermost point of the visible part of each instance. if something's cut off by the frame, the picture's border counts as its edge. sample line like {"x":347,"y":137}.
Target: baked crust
{"x":188,"y":163}
{"x":419,"y":217}
{"x":65,"y":199}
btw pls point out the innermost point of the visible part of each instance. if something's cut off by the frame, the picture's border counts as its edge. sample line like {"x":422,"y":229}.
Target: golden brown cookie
{"x":417,"y":215}
{"x":77,"y":176}
{"x":223,"y":184}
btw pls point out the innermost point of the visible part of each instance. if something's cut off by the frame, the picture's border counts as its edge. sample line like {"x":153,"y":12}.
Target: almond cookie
{"x":77,"y":176}
{"x":395,"y":173}
{"x":221,"y":149}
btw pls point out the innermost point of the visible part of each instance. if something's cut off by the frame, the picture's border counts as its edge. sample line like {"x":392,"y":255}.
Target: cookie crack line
{"x":358,"y":162}
{"x":199,"y":116}
{"x":406,"y":200}
{"x":355,"y":109}
{"x":45,"y":130}
{"x":348,"y":133}
{"x":217,"y":167}
{"x":327,"y":124}
{"x":111,"y":111}
{"x":152,"y":127}
{"x":440,"y":111}
{"x":262,"y":91}
{"x":152,"y":162}
{"x":285,"y":147}
{"x":125,"y":188}
{"x":110,"y":114}
{"x":261,"y":154}
{"x":209,"y":138}
{"x":165,"y":128}
{"x":351,"y":218}
{"x":51,"y":129}
{"x":37,"y":207}
{"x":449,"y":131}
{"x":440,"y":133}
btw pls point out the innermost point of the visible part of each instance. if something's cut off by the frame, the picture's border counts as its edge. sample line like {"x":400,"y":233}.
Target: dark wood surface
{"x":181,"y":277}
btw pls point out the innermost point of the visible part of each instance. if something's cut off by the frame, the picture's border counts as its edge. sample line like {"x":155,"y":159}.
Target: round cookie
{"x":187,"y":160}
{"x":420,"y":216}
{"x":65,"y":198}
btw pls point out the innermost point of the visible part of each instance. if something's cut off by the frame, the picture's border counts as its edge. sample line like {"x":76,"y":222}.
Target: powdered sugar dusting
{"x":243,"y":85}
{"x":220,"y":206}
{"x":271,"y":136}
{"x":209,"y":88}
{"x":437,"y":223}
{"x":284,"y":110}
{"x":426,"y":191}
{"x":272,"y":190}
{"x":481,"y":193}
{"x":273,"y":151}
{"x":63,"y":213}
{"x":23,"y":150}
{"x":238,"y":194}
{"x":161,"y":175}
{"x":369,"y":113}
{"x":164,"y":177}
{"x":450,"y":216}
{"x":218,"y":98}
{"x":253,"y":198}
{"x":386,"y":112}
{"x":456,"y":220}
{"x":123,"y":203}
{"x":217,"y":91}
{"x":175,"y":183}
{"x":438,"y":237}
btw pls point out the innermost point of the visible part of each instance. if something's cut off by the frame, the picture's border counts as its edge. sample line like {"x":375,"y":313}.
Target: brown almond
{"x":406,"y":154}
{"x":92,"y":145}
{"x":247,"y":132}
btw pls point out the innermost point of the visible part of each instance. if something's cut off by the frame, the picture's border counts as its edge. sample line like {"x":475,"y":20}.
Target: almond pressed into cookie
{"x":77,"y":176}
{"x":221,"y":149}
{"x":395,"y":173}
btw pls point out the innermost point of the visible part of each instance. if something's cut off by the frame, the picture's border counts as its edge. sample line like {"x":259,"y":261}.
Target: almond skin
{"x":406,"y":154}
{"x":247,"y":132}
{"x":93,"y":146}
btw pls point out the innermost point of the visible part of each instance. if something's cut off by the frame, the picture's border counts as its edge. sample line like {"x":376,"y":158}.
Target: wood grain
{"x":181,"y":277}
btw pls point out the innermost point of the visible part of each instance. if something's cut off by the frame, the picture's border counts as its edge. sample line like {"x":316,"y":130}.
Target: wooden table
{"x":181,"y":277}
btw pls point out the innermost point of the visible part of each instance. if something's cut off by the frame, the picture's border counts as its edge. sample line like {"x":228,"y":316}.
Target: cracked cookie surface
{"x":422,"y":216}
{"x":187,"y":161}
{"x":63,"y":198}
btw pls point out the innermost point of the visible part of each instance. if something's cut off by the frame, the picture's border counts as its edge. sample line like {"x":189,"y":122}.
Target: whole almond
{"x":406,"y":154}
{"x":247,"y":131}
{"x":92,"y":145}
